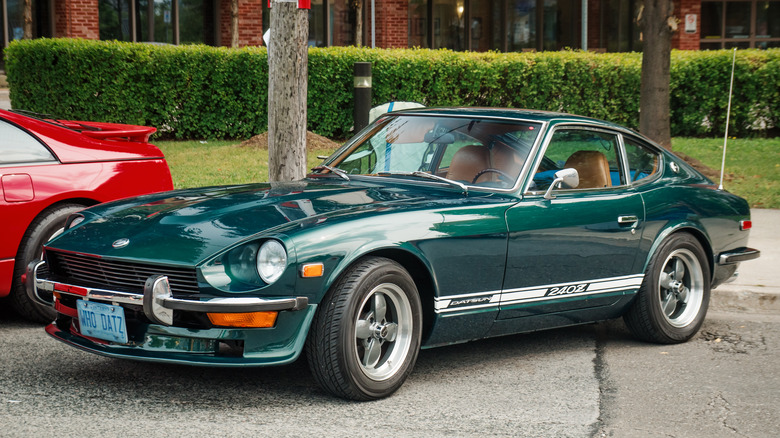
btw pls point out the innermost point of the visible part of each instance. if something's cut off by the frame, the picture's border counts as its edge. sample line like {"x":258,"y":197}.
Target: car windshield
{"x":470,"y":151}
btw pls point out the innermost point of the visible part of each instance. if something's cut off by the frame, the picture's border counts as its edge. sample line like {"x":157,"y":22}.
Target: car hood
{"x":187,"y":227}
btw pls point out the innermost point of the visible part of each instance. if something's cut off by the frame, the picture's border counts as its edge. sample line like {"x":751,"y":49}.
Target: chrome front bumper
{"x":157,"y":300}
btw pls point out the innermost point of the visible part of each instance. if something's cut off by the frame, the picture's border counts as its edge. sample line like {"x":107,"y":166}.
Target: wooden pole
{"x":287,"y":89}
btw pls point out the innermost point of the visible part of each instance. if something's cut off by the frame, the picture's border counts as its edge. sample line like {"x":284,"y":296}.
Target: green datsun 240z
{"x":430,"y":227}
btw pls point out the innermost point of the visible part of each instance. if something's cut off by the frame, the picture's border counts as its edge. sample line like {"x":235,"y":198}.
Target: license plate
{"x":102,"y":321}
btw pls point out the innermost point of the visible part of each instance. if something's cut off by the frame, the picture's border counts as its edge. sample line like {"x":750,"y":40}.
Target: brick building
{"x":478,"y":25}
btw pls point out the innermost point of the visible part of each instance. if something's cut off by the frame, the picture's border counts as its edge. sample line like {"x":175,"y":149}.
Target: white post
{"x":728,"y":115}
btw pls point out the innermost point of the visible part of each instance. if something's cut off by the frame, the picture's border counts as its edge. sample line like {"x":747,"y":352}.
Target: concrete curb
{"x":751,"y":299}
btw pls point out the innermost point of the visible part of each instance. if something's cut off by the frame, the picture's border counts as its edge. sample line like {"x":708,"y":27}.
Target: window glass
{"x":768,"y":19}
{"x":20,"y":147}
{"x":317,"y":24}
{"x":196,"y":22}
{"x":15,"y":11}
{"x":711,"y":20}
{"x":418,"y":23}
{"x":472,"y":151}
{"x":449,"y":27}
{"x":342,"y":18}
{"x":155,"y":21}
{"x":522,"y":25}
{"x":642,"y":162}
{"x":621,"y":33}
{"x":738,"y":19}
{"x":593,"y":154}
{"x":114,"y":20}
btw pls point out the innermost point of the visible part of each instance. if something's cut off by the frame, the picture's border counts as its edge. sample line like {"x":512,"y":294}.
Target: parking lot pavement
{"x":5,"y":101}
{"x":757,"y":288}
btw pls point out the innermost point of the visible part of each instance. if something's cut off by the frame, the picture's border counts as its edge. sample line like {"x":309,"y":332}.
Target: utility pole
{"x":288,"y":59}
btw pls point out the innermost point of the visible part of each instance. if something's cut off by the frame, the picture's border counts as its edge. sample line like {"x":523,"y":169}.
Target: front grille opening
{"x":85,"y":270}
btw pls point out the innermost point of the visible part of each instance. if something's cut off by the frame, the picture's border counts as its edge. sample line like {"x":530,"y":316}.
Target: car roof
{"x":510,"y":113}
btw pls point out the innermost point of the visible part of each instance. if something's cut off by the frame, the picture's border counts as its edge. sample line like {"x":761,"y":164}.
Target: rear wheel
{"x":49,"y":224}
{"x":366,"y":335}
{"x":673,"y":299}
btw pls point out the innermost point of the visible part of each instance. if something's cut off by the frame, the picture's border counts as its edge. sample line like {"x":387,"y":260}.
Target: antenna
{"x":728,"y":115}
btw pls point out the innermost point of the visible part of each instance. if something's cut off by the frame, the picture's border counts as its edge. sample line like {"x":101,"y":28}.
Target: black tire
{"x":675,"y":293}
{"x":356,"y":350}
{"x":42,"y":229}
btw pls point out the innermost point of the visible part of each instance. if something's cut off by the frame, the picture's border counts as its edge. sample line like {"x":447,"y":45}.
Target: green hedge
{"x":207,"y":92}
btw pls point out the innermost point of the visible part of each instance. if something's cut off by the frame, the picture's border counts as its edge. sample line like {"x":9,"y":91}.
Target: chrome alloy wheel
{"x":383,"y":331}
{"x":681,"y":287}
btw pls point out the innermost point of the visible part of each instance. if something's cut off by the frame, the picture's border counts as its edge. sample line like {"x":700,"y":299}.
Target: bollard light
{"x":362,"y":94}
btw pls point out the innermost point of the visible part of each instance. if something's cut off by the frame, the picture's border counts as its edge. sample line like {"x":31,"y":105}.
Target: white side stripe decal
{"x":456,"y":303}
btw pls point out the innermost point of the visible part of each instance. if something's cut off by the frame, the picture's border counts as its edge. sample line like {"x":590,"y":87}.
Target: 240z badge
{"x":566,"y":290}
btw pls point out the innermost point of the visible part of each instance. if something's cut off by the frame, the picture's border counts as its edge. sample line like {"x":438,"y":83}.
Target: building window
{"x":331,"y":22}
{"x":12,"y":21}
{"x":114,"y":20}
{"x":158,"y":21}
{"x":503,"y":25}
{"x":619,"y":31}
{"x":740,"y":23}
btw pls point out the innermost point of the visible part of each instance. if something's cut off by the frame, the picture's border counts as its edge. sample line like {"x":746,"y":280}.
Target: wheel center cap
{"x":380,"y":332}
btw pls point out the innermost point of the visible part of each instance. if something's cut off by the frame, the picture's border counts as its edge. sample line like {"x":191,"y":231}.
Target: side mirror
{"x":567,"y":178}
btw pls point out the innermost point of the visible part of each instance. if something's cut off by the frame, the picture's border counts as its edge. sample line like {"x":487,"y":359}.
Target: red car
{"x":51,"y":168}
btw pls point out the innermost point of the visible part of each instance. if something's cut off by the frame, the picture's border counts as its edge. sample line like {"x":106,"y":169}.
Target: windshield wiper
{"x":428,"y":176}
{"x":334,"y":170}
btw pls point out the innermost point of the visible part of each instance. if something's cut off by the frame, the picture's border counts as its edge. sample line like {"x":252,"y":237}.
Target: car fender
{"x":693,"y":227}
{"x":381,"y":249}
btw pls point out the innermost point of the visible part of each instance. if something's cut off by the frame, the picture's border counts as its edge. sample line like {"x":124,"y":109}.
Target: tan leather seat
{"x":468,"y":162}
{"x":506,"y":160}
{"x":593,"y":168}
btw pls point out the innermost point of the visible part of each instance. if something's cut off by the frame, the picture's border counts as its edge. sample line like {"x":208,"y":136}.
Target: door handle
{"x":625,"y":220}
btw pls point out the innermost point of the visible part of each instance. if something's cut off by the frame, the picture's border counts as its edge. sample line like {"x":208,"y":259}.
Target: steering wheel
{"x":501,"y":175}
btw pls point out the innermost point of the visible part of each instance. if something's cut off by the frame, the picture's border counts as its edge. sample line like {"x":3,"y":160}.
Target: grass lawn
{"x":752,"y":165}
{"x":199,"y":164}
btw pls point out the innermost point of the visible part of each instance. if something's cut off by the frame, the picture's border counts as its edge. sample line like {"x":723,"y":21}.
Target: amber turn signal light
{"x":251,"y":319}
{"x":312,"y":270}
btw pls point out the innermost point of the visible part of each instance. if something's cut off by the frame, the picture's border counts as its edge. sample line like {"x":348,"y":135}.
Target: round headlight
{"x":271,"y":261}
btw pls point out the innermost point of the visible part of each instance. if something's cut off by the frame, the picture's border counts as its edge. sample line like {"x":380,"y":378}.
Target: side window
{"x":592,"y":153}
{"x":19,"y":147}
{"x":642,"y":162}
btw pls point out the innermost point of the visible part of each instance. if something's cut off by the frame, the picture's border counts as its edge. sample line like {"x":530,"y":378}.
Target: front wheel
{"x":674,"y":296}
{"x":366,"y":335}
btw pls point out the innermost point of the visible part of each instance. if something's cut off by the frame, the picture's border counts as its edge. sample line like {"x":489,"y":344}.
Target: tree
{"x":28,"y":34}
{"x":657,"y":22}
{"x":358,"y":6}
{"x":234,"y":23}
{"x":287,"y":88}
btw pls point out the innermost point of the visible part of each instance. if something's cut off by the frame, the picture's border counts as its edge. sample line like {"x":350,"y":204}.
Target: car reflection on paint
{"x":430,"y":227}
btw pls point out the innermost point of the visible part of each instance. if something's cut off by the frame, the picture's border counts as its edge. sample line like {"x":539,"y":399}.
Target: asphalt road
{"x":588,"y":381}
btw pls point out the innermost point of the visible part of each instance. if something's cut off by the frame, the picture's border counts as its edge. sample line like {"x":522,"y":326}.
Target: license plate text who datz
{"x":102,"y":321}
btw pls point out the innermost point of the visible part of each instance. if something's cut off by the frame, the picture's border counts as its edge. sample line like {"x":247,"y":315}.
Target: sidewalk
{"x":757,"y":289}
{"x":5,"y":102}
